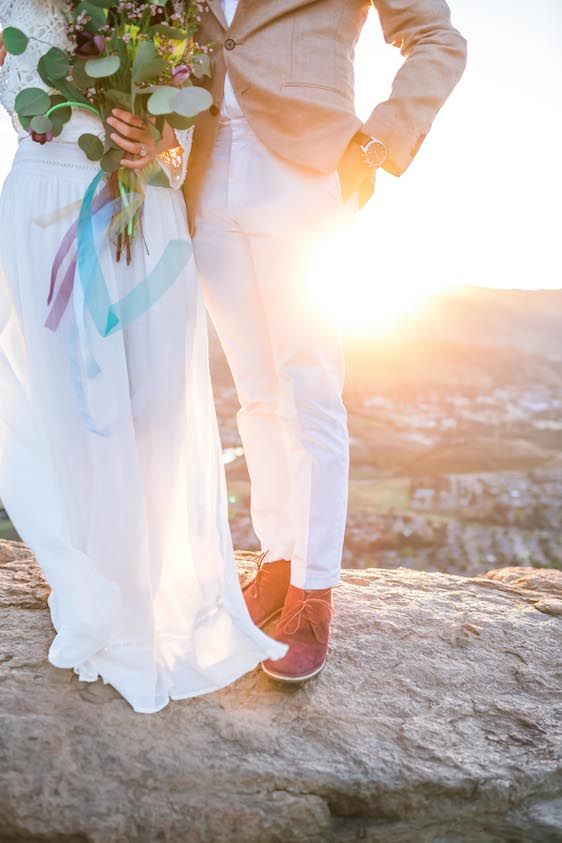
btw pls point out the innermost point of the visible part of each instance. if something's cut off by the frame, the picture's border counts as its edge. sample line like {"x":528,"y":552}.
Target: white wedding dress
{"x":115,"y":481}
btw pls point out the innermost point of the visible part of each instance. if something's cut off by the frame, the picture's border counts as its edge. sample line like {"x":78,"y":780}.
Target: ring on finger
{"x":143,"y":151}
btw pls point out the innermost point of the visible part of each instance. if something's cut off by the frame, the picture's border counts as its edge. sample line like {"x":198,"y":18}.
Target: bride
{"x":115,"y":481}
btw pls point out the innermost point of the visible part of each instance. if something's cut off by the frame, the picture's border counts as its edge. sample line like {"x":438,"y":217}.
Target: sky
{"x":480,"y":203}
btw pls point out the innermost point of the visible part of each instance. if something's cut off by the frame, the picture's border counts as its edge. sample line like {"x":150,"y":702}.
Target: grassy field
{"x":370,"y":491}
{"x":379,"y":494}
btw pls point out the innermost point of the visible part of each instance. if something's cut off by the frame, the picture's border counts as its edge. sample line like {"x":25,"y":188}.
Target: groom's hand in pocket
{"x":355,"y":177}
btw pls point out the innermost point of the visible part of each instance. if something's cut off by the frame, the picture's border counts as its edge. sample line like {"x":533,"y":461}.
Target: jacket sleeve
{"x":435,"y":54}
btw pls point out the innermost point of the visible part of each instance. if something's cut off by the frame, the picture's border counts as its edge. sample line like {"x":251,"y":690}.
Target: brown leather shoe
{"x":305,"y":626}
{"x":265,"y":595}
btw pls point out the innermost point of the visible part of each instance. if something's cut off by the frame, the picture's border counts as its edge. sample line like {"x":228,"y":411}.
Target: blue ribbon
{"x":109,"y":317}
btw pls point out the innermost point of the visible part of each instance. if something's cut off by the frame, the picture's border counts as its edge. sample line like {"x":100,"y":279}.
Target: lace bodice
{"x":44,"y":22}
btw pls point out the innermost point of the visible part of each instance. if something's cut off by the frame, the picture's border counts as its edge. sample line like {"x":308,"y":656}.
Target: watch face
{"x":375,"y":153}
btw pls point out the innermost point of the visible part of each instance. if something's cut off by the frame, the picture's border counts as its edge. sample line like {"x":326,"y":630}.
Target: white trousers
{"x":260,"y":220}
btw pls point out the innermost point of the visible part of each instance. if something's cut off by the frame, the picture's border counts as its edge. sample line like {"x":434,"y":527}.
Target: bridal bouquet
{"x":138,"y":56}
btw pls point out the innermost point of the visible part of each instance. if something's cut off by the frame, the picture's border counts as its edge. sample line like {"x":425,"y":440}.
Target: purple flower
{"x":89,"y":45}
{"x":41,"y":137}
{"x":180,"y":75}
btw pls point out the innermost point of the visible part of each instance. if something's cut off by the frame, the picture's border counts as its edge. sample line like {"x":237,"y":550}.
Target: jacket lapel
{"x":216,"y":8}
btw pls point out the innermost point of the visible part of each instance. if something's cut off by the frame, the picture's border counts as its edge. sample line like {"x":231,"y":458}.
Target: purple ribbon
{"x":67,"y":284}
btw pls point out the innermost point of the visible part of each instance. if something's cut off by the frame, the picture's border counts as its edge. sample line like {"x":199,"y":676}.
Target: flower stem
{"x":81,"y":105}
{"x":125,"y":199}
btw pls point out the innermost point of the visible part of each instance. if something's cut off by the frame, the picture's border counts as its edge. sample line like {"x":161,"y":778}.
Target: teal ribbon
{"x":107,"y":316}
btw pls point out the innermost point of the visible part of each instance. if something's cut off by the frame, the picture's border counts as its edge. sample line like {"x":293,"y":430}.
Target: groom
{"x":279,"y":162}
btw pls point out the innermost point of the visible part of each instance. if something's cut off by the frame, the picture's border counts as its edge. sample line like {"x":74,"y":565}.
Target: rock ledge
{"x":437,"y":719}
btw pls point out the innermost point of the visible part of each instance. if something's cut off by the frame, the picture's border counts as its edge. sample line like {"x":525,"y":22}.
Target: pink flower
{"x":41,"y":137}
{"x":88,"y":45}
{"x":180,"y":75}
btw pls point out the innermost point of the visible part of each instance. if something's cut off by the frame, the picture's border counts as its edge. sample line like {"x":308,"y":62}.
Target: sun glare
{"x":353,"y":291}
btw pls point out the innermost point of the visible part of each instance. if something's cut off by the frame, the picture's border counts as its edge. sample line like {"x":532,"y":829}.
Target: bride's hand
{"x":3,"y":51}
{"x":135,"y":137}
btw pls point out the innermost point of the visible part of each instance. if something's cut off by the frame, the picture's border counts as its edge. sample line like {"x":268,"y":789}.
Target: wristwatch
{"x":374,"y":151}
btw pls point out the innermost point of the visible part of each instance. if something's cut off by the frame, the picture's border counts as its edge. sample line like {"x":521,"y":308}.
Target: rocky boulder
{"x":437,"y":719}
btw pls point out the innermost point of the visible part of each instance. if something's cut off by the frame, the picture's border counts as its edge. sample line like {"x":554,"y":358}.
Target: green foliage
{"x":156,"y":177}
{"x":95,"y":11}
{"x":62,"y":114}
{"x":168,"y":32}
{"x":147,"y":64}
{"x":111,"y":160}
{"x":160,"y":101}
{"x":54,"y":65}
{"x":32,"y":101}
{"x":201,"y":66}
{"x":92,"y":146}
{"x":15,"y":41}
{"x":41,"y":124}
{"x":103,"y":67}
{"x":176,"y":121}
{"x":190,"y":101}
{"x":80,"y":79}
{"x":119,"y":99}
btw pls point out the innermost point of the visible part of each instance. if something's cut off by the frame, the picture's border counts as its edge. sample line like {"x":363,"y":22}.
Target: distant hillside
{"x":529,"y":320}
{"x":470,"y":339}
{"x":411,"y":365}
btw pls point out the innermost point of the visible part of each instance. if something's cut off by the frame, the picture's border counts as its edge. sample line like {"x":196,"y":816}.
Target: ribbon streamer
{"x":104,"y":212}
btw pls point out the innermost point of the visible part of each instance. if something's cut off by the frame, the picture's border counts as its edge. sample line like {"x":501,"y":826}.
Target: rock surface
{"x":437,"y":719}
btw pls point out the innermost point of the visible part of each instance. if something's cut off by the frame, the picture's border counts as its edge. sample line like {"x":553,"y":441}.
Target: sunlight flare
{"x":354,"y":291}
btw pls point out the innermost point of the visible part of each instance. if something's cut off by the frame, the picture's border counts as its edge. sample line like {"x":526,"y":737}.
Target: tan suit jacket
{"x":291,"y":67}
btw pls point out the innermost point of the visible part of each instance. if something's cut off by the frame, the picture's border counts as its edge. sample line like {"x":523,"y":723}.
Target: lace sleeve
{"x":174,"y":161}
{"x":43,"y":22}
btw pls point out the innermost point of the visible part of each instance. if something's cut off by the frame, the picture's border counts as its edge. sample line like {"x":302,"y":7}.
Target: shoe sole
{"x":280,"y":677}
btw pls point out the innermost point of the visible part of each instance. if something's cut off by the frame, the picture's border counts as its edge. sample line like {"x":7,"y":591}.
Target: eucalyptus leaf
{"x":79,"y":76}
{"x":58,"y":124}
{"x":97,"y":15}
{"x":119,"y":98}
{"x":41,"y":124}
{"x":147,"y":64}
{"x":92,"y":146}
{"x":156,"y":177}
{"x":111,"y":160}
{"x":68,"y":91}
{"x":15,"y":41}
{"x":32,"y":101}
{"x":54,"y":65}
{"x":188,"y":102}
{"x":155,"y":133}
{"x":201,"y":66}
{"x":62,"y":115}
{"x":103,"y":67}
{"x":176,"y":121}
{"x":160,"y":101}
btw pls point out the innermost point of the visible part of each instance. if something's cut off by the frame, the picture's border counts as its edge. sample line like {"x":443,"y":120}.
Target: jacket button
{"x":229,"y":44}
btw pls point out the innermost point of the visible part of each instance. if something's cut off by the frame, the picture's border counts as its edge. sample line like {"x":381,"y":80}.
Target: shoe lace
{"x":262,"y":568}
{"x":292,"y":623}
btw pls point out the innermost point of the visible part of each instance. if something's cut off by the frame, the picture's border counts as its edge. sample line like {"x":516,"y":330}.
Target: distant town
{"x":456,"y":483}
{"x":456,"y":438}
